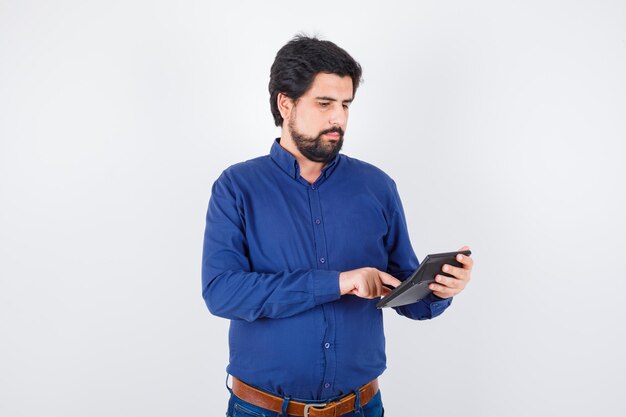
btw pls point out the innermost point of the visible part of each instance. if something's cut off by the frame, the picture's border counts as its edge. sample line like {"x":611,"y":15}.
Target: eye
{"x":324,"y":103}
{"x":345,"y":106}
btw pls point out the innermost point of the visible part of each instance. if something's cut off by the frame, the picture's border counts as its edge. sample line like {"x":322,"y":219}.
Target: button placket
{"x":329,"y":371}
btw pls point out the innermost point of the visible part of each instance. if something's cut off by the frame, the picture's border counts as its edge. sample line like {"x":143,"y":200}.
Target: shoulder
{"x":367,"y":170}
{"x":238,"y":177}
{"x":373,"y":181}
{"x":243,"y":171}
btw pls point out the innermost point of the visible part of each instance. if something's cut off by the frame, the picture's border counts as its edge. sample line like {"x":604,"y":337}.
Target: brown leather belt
{"x":332,"y":409}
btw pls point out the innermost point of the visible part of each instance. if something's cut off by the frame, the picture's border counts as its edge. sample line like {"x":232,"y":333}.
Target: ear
{"x":285,"y":104}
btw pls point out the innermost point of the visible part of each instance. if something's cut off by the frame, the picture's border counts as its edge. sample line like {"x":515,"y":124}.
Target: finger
{"x":386,"y":291}
{"x":374,"y":288}
{"x":367,"y":289}
{"x":373,"y":292}
{"x":459,"y":273}
{"x":464,"y":248}
{"x":467,"y":261}
{"x":449,"y":282}
{"x":389,"y":279}
{"x":379,"y":288}
{"x":440,"y":289}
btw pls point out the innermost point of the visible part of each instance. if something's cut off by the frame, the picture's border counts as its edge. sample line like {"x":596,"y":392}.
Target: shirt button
{"x":317,"y":221}
{"x":326,"y":345}
{"x":312,"y":187}
{"x":322,"y":260}
{"x":327,"y":385}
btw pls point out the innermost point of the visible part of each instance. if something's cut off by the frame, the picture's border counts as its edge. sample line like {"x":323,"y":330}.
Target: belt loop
{"x":357,"y":402}
{"x":227,"y":387}
{"x":286,"y":400}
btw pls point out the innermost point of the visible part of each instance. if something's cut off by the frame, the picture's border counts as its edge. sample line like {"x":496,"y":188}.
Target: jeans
{"x":240,"y":408}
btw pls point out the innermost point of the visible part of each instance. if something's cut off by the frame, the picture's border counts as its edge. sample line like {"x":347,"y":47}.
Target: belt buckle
{"x":307,"y":407}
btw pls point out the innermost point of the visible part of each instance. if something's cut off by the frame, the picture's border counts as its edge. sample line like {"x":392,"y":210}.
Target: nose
{"x":339,"y":116}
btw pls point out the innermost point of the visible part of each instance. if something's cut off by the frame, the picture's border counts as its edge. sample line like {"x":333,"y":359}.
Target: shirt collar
{"x":289,"y":164}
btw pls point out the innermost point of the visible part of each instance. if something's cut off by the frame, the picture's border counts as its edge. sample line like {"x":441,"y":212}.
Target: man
{"x":300,"y":245}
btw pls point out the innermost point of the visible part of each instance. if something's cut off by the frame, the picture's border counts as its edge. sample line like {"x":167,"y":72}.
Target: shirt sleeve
{"x":231,"y":290}
{"x":402,"y":262}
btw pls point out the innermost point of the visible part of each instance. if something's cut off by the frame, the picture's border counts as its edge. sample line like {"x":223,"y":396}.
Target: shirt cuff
{"x":436,"y":303}
{"x":325,"y":286}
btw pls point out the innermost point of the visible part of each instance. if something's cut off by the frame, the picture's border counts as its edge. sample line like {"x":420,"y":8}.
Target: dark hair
{"x":299,"y":61}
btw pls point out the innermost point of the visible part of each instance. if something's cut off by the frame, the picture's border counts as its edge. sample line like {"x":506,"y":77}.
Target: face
{"x":318,"y":120}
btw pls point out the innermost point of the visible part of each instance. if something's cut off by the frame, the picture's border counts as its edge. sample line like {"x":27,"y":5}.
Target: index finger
{"x":389,"y":279}
{"x":465,"y":260}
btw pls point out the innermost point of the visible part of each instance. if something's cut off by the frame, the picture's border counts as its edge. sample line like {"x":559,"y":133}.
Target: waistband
{"x":335,"y":408}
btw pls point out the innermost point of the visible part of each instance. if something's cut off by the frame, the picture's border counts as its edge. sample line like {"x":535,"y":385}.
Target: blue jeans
{"x":239,"y":408}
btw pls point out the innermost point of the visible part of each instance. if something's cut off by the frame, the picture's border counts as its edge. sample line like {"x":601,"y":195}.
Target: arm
{"x":402,"y":262}
{"x":231,"y":290}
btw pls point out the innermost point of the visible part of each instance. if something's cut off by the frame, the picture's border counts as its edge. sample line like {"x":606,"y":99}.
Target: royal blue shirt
{"x":274,"y":246}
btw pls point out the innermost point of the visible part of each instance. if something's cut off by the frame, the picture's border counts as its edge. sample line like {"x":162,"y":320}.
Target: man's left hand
{"x":447,"y":287}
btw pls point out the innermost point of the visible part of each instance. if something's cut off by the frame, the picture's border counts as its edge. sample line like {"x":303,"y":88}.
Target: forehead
{"x":331,"y":85}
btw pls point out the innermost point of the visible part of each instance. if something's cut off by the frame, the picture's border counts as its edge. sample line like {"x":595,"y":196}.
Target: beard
{"x":317,"y":149}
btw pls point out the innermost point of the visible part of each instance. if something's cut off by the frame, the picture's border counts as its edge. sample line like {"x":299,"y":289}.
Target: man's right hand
{"x":366,"y":282}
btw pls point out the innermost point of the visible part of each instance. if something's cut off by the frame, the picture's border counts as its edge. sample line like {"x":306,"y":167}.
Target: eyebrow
{"x":332,"y":99}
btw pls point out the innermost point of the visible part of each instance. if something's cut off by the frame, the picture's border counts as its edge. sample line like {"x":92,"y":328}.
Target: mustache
{"x":332,"y":130}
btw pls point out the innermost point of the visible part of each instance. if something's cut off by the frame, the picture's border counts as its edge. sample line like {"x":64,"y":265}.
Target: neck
{"x":309,"y":170}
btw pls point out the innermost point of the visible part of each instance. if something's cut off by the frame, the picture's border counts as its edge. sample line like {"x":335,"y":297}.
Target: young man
{"x":298,"y":248}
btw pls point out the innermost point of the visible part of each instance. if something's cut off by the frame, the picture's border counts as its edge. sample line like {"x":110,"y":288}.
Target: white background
{"x":503,"y":124}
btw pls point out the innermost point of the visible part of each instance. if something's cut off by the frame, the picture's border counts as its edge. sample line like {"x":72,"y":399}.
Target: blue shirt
{"x":274,"y":246}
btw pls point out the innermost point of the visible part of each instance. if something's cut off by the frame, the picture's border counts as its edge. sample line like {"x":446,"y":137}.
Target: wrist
{"x":344,"y":286}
